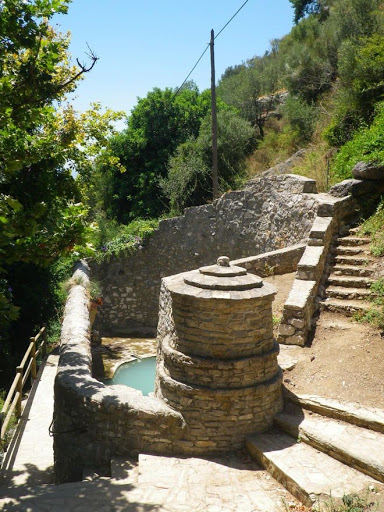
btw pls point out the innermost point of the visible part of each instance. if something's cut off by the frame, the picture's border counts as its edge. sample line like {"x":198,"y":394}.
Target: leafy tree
{"x":189,"y":180}
{"x":157,"y":125}
{"x":304,"y":7}
{"x":41,"y":142}
{"x":308,"y":57}
{"x":250,"y":87}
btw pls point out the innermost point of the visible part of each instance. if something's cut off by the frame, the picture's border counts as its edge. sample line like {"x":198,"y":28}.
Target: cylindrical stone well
{"x":217,"y":358}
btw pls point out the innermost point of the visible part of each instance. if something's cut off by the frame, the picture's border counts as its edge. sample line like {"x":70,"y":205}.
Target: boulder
{"x":354,"y":188}
{"x":368,"y":171}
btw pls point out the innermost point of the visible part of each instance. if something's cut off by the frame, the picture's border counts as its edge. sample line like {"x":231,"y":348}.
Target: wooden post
{"x":33,"y":355}
{"x":19,"y":370}
{"x":215,"y":170}
{"x":44,"y":349}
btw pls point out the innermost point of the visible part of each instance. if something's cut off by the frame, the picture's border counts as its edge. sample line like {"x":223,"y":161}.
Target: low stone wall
{"x":92,"y":421}
{"x":281,"y":261}
{"x":270,"y":213}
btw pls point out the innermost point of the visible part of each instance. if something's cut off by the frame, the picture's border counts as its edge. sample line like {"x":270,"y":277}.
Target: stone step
{"x":345,"y":307}
{"x":357,"y":447}
{"x":352,"y":270}
{"x":363,"y":260}
{"x":349,"y":251}
{"x":309,"y":474}
{"x":339,"y":292}
{"x":353,"y":241}
{"x":349,"y":281}
{"x":354,"y":231}
{"x":367,"y":417}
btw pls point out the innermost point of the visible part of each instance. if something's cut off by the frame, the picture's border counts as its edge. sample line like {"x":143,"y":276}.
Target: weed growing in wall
{"x":113,"y":239}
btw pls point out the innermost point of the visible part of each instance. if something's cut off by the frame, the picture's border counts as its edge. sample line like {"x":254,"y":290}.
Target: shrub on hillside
{"x":367,"y":146}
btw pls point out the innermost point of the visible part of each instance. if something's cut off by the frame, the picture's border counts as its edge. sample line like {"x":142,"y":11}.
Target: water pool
{"x":138,"y":374}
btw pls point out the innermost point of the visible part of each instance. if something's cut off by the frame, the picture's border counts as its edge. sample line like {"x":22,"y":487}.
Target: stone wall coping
{"x":266,"y":255}
{"x":300,"y":293}
{"x":320,"y":227}
{"x":311,"y":257}
{"x":328,"y":204}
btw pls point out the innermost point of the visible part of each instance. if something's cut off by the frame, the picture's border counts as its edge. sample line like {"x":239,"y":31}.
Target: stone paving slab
{"x":165,"y":484}
{"x":224,"y":483}
{"x":29,"y":459}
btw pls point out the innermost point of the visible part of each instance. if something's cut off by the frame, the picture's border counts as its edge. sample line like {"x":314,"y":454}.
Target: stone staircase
{"x":352,"y":267}
{"x":316,"y":455}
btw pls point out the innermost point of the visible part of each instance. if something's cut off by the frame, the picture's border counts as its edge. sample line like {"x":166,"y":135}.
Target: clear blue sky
{"x":144,"y":44}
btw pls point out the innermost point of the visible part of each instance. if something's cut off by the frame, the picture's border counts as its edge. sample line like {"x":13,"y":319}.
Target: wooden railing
{"x":28,"y":366}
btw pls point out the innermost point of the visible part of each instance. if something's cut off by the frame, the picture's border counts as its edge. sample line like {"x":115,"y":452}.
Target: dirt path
{"x":345,"y":361}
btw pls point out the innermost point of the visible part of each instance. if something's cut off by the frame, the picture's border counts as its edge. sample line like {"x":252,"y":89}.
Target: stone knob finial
{"x":223,"y":261}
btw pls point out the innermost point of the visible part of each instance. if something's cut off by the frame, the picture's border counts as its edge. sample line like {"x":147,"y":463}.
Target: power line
{"x":202,"y":55}
{"x":192,"y":70}
{"x":228,"y":22}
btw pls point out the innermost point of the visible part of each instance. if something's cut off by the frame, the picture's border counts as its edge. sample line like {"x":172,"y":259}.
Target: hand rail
{"x":12,"y":403}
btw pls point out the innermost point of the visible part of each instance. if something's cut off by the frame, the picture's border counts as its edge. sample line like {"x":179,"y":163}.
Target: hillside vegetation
{"x":320,"y":87}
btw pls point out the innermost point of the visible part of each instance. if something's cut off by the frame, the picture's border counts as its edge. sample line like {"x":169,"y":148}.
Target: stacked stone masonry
{"x":208,"y":400}
{"x":98,"y":421}
{"x":271,"y":213}
{"x":217,"y":359}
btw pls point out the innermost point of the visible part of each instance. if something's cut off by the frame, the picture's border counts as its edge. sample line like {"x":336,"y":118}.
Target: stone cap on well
{"x":224,"y":276}
{"x":228,"y":282}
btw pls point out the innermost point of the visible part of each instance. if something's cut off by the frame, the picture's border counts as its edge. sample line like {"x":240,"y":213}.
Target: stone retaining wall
{"x":270,"y":213}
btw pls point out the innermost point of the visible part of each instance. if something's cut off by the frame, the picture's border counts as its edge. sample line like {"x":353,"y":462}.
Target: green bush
{"x":367,"y":146}
{"x":301,"y":116}
{"x":113,"y":238}
{"x":189,"y":181}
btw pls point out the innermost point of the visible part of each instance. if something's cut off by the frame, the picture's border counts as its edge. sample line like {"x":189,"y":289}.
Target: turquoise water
{"x":138,"y":374}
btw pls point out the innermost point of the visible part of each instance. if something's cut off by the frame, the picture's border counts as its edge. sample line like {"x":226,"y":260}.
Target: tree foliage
{"x":249,"y":88}
{"x":158,"y":124}
{"x":41,"y":141}
{"x":189,"y":179}
{"x":304,"y":7}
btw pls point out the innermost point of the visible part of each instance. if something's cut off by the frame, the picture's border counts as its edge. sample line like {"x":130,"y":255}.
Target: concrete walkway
{"x":29,"y":459}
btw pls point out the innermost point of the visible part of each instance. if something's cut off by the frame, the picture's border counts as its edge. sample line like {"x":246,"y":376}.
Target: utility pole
{"x":215,"y":171}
